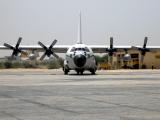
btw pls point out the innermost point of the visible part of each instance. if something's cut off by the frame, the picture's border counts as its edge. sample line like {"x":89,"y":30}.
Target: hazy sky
{"x":128,"y":21}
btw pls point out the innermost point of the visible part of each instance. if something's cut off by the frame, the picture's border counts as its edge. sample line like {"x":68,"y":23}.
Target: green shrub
{"x":50,"y":64}
{"x":8,"y":64}
{"x":60,"y":61}
{"x":54,"y":64}
{"x":29,"y":65}
{"x":17,"y":64}
{"x":99,"y":59}
{"x":2,"y":65}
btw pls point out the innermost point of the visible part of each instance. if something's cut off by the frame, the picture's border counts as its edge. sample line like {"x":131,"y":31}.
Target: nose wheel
{"x":93,"y":71}
{"x":79,"y":72}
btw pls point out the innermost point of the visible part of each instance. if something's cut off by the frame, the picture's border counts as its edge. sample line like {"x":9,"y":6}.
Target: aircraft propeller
{"x":16,"y":49}
{"x":111,"y":49}
{"x":143,"y":49}
{"x":48,"y":50}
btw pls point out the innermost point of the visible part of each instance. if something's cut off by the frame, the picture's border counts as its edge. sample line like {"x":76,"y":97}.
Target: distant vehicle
{"x":79,"y":57}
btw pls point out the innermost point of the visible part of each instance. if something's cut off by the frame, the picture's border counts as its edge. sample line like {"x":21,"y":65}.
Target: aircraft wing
{"x":151,"y":48}
{"x":154,"y":48}
{"x":102,"y":48}
{"x":95,"y":48}
{"x":56,"y":48}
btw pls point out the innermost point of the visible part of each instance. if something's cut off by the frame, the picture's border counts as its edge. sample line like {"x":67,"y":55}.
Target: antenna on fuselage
{"x":79,"y":40}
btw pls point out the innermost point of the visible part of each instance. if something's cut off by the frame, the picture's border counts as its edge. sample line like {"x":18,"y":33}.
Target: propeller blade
{"x":55,"y":55}
{"x":48,"y":51}
{"x":42,"y":45}
{"x":18,"y":42}
{"x":15,"y":49}
{"x":145,"y":42}
{"x":9,"y":46}
{"x":126,"y":51}
{"x":14,"y":53}
{"x":53,"y":43}
{"x":43,"y":56}
{"x":111,"y":50}
{"x":111,"y":61}
{"x":108,"y":49}
{"x":111,"y":42}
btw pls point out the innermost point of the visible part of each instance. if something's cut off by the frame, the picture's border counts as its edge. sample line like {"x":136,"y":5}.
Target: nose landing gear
{"x":92,"y":71}
{"x":80,"y":72}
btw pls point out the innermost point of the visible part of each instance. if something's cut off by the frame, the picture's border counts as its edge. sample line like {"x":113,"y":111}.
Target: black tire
{"x":78,"y":72}
{"x":66,"y":71}
{"x":92,"y":71}
{"x":81,"y":72}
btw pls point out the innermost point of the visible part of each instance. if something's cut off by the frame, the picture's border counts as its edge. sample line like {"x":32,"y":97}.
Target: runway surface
{"x":109,"y":95}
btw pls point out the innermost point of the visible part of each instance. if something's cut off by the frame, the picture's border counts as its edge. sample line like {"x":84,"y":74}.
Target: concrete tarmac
{"x":27,"y":94}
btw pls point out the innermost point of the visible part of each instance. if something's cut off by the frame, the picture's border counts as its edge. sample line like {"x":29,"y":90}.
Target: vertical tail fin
{"x":79,"y":40}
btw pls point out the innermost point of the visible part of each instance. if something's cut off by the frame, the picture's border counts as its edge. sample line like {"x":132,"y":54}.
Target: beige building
{"x":151,"y":59}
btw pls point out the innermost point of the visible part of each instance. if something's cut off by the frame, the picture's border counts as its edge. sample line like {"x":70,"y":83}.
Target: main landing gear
{"x":65,"y":70}
{"x":79,"y":71}
{"x":93,"y":72}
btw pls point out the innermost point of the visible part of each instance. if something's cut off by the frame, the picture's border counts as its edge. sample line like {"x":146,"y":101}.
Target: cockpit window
{"x":86,"y":49}
{"x":73,"y":49}
{"x":80,"y":49}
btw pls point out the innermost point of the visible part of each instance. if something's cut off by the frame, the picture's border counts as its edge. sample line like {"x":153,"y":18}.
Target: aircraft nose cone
{"x":80,"y":60}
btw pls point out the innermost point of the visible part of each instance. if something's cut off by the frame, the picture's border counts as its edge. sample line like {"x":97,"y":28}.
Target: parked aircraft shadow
{"x":85,"y":74}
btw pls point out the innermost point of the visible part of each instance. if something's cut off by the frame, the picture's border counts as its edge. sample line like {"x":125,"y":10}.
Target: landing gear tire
{"x":92,"y":71}
{"x":79,"y":72}
{"x":66,"y":71}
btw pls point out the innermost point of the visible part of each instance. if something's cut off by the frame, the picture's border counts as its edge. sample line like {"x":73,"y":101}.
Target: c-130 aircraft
{"x":79,"y":57}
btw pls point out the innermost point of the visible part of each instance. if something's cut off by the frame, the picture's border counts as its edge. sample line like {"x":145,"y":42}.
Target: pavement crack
{"x":118,"y":104}
{"x":10,"y":115}
{"x":50,"y":107}
{"x":6,"y":96}
{"x":43,"y":105}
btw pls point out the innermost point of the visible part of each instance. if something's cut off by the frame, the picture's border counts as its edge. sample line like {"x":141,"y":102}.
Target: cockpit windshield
{"x":79,"y":49}
{"x":73,"y":49}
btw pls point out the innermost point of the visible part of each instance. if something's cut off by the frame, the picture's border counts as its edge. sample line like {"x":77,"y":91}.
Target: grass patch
{"x":49,"y":64}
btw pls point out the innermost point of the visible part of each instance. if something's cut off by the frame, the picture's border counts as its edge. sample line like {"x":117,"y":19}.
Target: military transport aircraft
{"x":79,"y":57}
